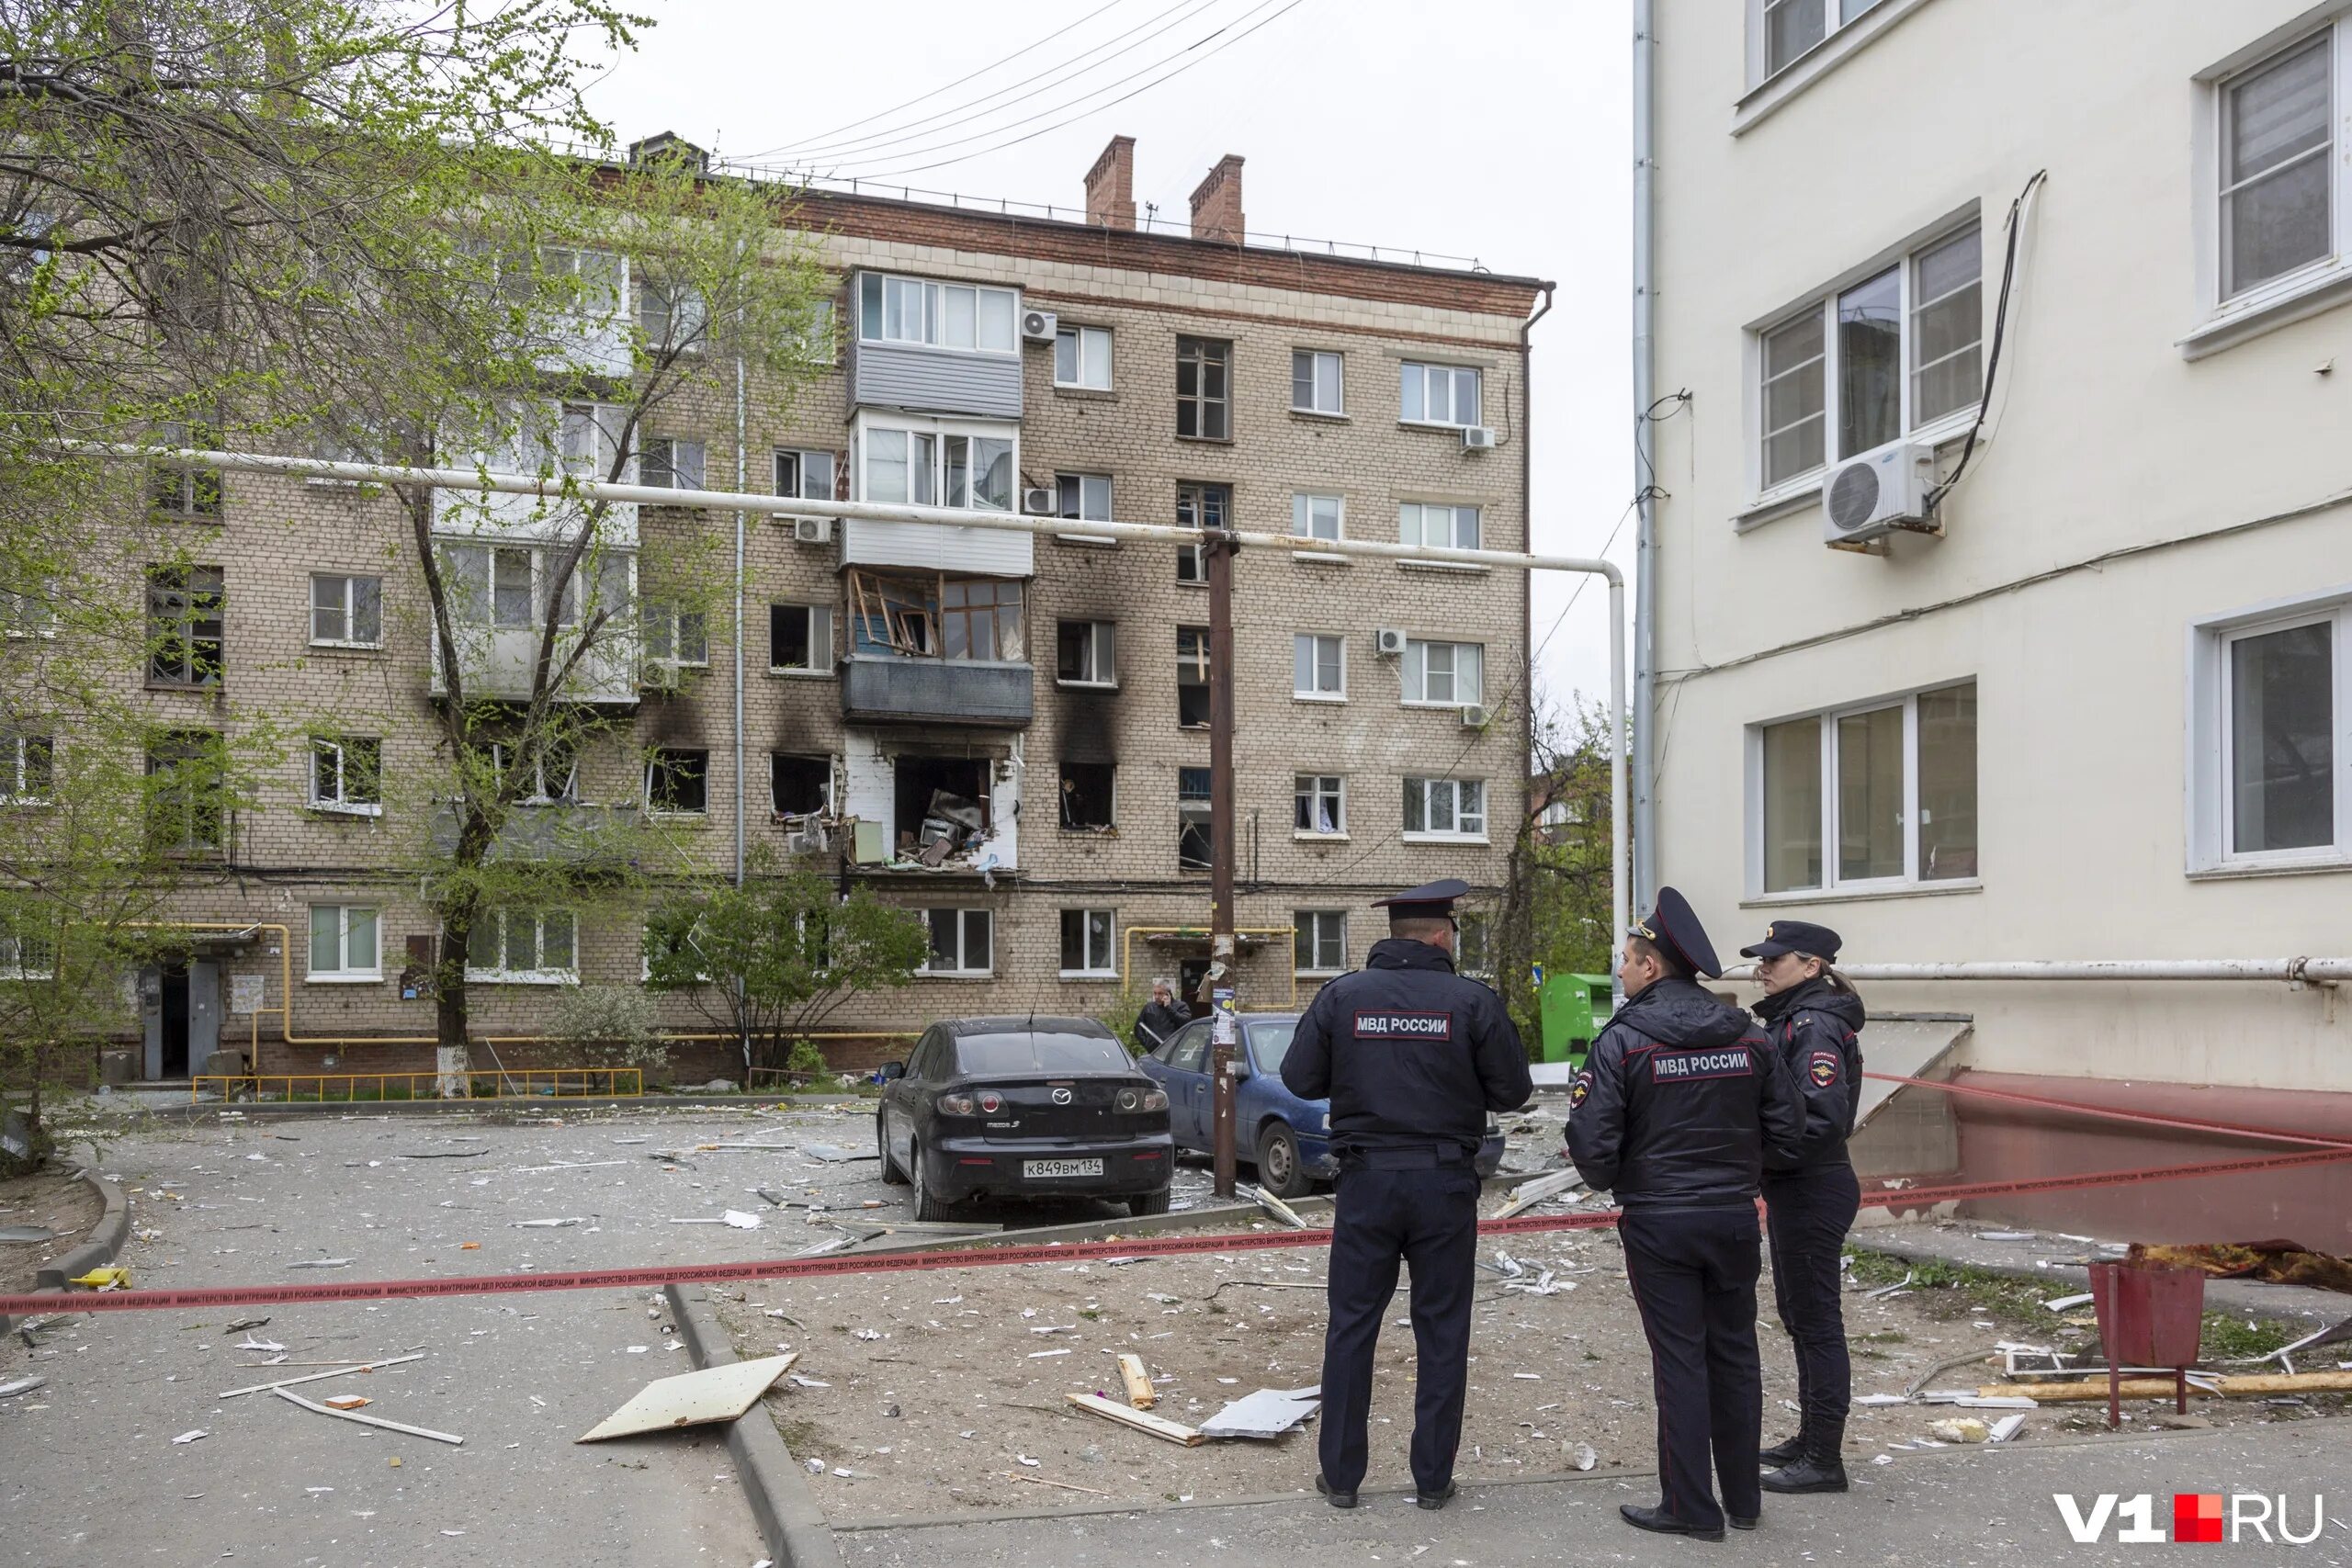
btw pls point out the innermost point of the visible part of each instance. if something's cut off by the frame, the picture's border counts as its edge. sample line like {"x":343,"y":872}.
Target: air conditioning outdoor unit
{"x":812,"y":530}
{"x":1474,"y":715}
{"x":660,"y":675}
{"x":1877,"y":494}
{"x":1388,"y":641}
{"x":1041,"y":500}
{"x":1039,"y":326}
{"x":805,"y":836}
{"x":1477,"y":438}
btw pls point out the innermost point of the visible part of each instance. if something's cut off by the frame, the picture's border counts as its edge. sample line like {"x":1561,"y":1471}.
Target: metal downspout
{"x":1644,"y":744}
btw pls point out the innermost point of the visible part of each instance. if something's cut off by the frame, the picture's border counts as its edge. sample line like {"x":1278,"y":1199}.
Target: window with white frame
{"x":1879,"y":795}
{"x":1319,"y":806}
{"x":672,"y":636}
{"x":27,"y":768}
{"x":1887,"y":356}
{"x":671,"y":462}
{"x":1082,"y":357}
{"x":27,"y":955}
{"x":942,"y":315}
{"x":1199,"y":506}
{"x":1319,"y":941}
{"x":347,"y":775}
{"x":1474,"y":946}
{"x":673,"y":317}
{"x":1438,"y":394}
{"x":938,"y":467}
{"x":347,"y":610}
{"x":1086,"y":653}
{"x":529,"y":947}
{"x":552,"y":777}
{"x":344,"y":944}
{"x":1445,"y":808}
{"x":511,"y":586}
{"x":961,"y":942}
{"x":803,"y":473}
{"x":2282,"y":151}
{"x":1444,"y":674}
{"x":2270,"y":782}
{"x":1790,"y":29}
{"x":1447,"y":527}
{"x":801,"y":638}
{"x":28,"y":612}
{"x":1315,"y":381}
{"x":1087,"y":947}
{"x":1086,"y":496}
{"x":1316,"y":516}
{"x":1318,"y":667}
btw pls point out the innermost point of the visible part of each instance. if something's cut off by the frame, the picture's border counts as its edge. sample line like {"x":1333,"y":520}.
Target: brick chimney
{"x":1110,"y":185}
{"x":1216,"y":202}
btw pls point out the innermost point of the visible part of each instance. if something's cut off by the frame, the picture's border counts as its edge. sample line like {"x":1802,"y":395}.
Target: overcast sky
{"x":1496,"y":129}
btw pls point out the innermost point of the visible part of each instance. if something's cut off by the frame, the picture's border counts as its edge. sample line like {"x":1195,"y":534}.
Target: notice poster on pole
{"x":1222,"y":1029}
{"x":245,"y":993}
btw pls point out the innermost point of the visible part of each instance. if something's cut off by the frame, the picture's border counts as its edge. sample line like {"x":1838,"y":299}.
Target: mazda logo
{"x":1061,"y":1097}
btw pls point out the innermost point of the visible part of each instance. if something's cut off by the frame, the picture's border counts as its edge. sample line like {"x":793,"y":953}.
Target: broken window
{"x":186,"y":633}
{"x":1087,"y":796}
{"x":936,"y":616}
{"x":676,"y":782}
{"x":1321,"y":804}
{"x":1193,"y":846}
{"x":348,"y":773}
{"x":800,"y":636}
{"x":553,"y":776}
{"x":27,"y":768}
{"x":188,"y":494}
{"x":1193,"y":677}
{"x":188,"y":795}
{"x":1086,"y":653}
{"x":800,"y":786}
{"x":940,"y":805}
{"x":1203,"y":409}
{"x":1199,"y":506}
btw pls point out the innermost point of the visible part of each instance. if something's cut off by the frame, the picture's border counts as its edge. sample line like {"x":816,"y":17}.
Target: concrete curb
{"x":2238,"y":1297}
{"x":103,"y":1248}
{"x":197,"y":1111}
{"x":789,"y":1519}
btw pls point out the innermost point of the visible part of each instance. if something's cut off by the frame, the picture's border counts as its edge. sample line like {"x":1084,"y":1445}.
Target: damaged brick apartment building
{"x":1005,"y":731}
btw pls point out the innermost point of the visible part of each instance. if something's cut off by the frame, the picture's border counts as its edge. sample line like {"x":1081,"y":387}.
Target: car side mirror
{"x":893,"y":1070}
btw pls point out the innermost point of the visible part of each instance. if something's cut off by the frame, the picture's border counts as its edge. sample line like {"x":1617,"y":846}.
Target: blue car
{"x":1290,"y":1138}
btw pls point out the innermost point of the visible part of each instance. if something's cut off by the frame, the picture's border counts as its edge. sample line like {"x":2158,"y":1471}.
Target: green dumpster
{"x":1575,"y":1009}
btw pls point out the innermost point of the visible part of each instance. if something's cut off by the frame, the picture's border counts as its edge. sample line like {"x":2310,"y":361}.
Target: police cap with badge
{"x":1674,"y":929}
{"x":1796,"y":936}
{"x":1429,"y":901}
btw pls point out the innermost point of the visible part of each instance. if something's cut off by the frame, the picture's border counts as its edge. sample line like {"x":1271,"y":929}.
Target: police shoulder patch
{"x":1822,"y":1069}
{"x":1583,"y":1087}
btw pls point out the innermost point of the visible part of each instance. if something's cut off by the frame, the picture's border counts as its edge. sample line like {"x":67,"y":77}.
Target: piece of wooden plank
{"x":1141,"y":1420}
{"x":449,"y":1437}
{"x":721,"y":1392}
{"x":314,"y":1377}
{"x":1049,"y":1481}
{"x":1140,"y":1393}
{"x":2162,"y":1388}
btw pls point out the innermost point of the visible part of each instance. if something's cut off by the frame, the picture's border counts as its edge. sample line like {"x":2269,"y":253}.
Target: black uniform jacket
{"x":1411,"y":1055}
{"x":1817,"y":1031}
{"x":1679,"y":1102}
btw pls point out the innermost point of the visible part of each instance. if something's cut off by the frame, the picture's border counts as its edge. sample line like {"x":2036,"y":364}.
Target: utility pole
{"x":1224,"y":967}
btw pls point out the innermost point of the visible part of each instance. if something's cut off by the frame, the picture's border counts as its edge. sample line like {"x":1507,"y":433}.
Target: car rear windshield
{"x":1039,"y":1052}
{"x":1272,"y":1042}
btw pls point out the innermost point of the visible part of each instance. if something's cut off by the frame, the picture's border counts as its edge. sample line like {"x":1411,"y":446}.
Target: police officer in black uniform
{"x":1676,"y":1108}
{"x":1815,"y":1020}
{"x":1413,"y":1057}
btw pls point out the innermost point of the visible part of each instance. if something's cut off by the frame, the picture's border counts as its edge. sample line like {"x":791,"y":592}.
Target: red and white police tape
{"x":997,"y":1256}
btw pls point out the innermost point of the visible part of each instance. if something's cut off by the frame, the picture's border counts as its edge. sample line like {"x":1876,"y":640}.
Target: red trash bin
{"x":2148,"y":1317}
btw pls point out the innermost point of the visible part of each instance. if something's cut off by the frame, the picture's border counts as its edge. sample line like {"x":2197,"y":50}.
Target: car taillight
{"x":1143,"y":1100}
{"x":991,"y":1102}
{"x":954,"y":1105}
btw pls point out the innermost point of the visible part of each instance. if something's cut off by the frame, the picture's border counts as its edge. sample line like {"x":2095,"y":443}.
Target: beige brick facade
{"x":1146,"y":290}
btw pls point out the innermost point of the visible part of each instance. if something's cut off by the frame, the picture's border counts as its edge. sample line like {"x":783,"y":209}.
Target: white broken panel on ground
{"x":692,"y":1399}
{"x":1269,"y":1412}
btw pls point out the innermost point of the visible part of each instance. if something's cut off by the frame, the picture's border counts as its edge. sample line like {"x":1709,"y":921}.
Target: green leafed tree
{"x":769,"y":960}
{"x":1558,"y":911}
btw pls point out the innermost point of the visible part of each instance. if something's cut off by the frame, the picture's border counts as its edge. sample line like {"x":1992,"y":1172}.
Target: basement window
{"x":1087,"y":796}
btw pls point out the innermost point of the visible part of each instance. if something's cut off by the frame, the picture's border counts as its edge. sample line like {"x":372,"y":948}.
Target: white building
{"x":2102,"y":711}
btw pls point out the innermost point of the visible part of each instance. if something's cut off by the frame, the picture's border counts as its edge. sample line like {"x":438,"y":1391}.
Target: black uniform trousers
{"x":1808,"y":1214}
{"x":1427,"y":1216}
{"x":1694,"y":1273}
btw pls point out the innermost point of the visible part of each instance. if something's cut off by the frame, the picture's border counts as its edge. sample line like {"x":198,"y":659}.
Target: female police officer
{"x":1815,"y":1020}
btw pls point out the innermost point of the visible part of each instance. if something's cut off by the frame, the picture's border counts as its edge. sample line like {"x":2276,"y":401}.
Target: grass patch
{"x":2227,"y":1337}
{"x":806,"y":1439}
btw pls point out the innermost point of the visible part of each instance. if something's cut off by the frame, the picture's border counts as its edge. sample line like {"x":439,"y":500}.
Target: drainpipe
{"x":742,"y":477}
{"x":1645,"y":746}
{"x":1527,"y":583}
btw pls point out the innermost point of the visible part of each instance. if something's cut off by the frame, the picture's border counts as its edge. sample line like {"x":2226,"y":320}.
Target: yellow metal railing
{"x":518,"y":1083}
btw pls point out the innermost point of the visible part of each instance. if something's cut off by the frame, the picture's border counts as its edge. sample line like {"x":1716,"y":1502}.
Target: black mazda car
{"x":1023,"y":1108}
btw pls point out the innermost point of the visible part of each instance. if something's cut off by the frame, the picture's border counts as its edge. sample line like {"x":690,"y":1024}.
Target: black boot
{"x":1664,"y":1523}
{"x":1810,"y":1473}
{"x":1337,"y":1499}
{"x":1783,"y":1453}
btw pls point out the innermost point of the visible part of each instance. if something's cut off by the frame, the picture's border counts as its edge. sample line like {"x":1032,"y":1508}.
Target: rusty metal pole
{"x":1223,"y":969}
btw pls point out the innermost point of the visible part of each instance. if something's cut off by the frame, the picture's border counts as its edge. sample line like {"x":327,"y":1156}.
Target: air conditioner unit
{"x":1039,"y":326}
{"x":660,"y":675}
{"x":1041,"y":500}
{"x":1877,"y":494}
{"x":1474,"y":715}
{"x":1388,"y":641}
{"x":805,"y":836}
{"x":1477,"y":438}
{"x":812,"y":530}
